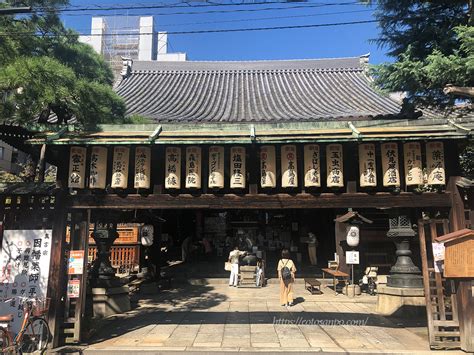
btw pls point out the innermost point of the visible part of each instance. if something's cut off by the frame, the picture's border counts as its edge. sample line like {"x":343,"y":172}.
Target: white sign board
{"x":24,"y":258}
{"x":352,"y":257}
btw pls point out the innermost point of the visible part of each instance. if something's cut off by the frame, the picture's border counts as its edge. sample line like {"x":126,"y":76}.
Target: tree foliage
{"x":46,"y":72}
{"x":432,"y":43}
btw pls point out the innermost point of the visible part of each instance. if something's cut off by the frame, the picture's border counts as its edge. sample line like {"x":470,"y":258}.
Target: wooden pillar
{"x":465,"y":305}
{"x":456,"y":213}
{"x":57,"y":270}
{"x":80,"y":241}
{"x":340,"y":232}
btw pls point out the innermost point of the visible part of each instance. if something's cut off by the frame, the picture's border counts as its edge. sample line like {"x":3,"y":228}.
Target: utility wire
{"x":251,"y":29}
{"x":145,"y":7}
{"x":164,"y":25}
{"x":217,"y":11}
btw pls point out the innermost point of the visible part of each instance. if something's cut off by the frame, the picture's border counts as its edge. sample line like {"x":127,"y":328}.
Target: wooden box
{"x":459,"y":253}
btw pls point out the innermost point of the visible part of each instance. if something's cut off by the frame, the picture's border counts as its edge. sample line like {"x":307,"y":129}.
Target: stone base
{"x":351,"y":290}
{"x":391,"y":301}
{"x":110,"y":301}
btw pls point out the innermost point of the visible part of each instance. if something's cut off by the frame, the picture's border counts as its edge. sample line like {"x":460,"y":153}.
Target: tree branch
{"x":459,"y":90}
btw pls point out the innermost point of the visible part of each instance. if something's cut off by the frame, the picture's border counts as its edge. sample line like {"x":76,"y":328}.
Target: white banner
{"x":334,"y":163}
{"x":267,"y":166}
{"x":312,"y":169}
{"x":142,"y":167}
{"x":193,"y":167}
{"x":77,"y":167}
{"x":216,"y":167}
{"x":413,"y":166}
{"x":173,"y":168}
{"x":98,"y":168}
{"x":237,"y":167}
{"x":24,"y":259}
{"x":435,"y":163}
{"x":289,"y":174}
{"x":120,"y":167}
{"x":367,"y":169}
{"x":390,"y":164}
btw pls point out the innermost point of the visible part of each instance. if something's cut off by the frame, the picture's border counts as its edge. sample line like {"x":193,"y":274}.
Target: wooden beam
{"x":261,"y":201}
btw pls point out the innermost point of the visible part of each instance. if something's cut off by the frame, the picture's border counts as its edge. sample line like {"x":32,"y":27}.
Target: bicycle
{"x":34,"y":333}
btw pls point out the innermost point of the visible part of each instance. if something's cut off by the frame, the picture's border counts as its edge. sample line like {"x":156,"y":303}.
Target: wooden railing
{"x":124,"y":258}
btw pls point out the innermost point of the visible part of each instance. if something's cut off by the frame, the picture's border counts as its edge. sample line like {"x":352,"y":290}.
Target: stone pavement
{"x":221,"y":318}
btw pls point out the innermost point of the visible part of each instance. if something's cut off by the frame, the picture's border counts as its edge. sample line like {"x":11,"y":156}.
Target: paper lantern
{"x":267,"y":166}
{"x":413,"y":166}
{"x":120,"y":168}
{"x":367,"y":169}
{"x":334,"y":163}
{"x":435,"y":163}
{"x":312,"y":169}
{"x":216,"y":167}
{"x":193,"y":167}
{"x":289,"y":174}
{"x":390,"y":164}
{"x":237,"y":167}
{"x":173,"y":168}
{"x":352,"y":236}
{"x":77,"y":167}
{"x":98,"y":168}
{"x":142,"y":167}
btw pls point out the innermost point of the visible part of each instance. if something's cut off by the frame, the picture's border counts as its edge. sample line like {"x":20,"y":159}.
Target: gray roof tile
{"x":260,"y":91}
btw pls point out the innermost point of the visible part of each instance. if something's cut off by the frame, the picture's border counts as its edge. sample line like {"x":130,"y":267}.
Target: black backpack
{"x":285,"y":272}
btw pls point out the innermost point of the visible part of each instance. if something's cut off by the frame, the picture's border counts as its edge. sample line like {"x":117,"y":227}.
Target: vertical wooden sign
{"x":237,"y":167}
{"x":142,"y":167}
{"x":216,"y":167}
{"x":98,"y":168}
{"x":390,"y":164}
{"x":289,"y":174}
{"x":334,"y":163}
{"x":173,"y":168}
{"x":413,"y":165}
{"x":120,"y":167}
{"x":435,"y":163}
{"x":77,"y":167}
{"x":312,"y":169}
{"x":267,"y":166}
{"x":193,"y":167}
{"x":367,"y":169}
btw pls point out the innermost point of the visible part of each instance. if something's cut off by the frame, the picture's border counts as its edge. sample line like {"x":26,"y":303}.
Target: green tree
{"x":432,"y":43}
{"x":45,"y":70}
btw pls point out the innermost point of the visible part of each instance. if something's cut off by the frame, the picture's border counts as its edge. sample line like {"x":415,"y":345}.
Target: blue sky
{"x":322,"y":42}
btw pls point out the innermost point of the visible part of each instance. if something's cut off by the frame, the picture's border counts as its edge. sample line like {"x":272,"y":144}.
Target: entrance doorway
{"x":209,"y":235}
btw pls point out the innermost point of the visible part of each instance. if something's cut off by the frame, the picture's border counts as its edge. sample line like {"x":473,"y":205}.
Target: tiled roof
{"x":261,"y":91}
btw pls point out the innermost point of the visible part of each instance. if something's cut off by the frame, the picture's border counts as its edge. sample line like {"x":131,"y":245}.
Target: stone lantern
{"x":102,"y":273}
{"x":404,"y":273}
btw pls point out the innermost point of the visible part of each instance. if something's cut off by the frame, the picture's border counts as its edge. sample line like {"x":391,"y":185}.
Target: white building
{"x":11,"y":158}
{"x":132,"y":37}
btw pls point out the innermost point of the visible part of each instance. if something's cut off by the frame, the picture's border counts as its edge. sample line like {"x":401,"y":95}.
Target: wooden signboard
{"x":459,"y":253}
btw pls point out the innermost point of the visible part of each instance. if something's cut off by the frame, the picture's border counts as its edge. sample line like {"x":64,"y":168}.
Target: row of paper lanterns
{"x":289,"y":174}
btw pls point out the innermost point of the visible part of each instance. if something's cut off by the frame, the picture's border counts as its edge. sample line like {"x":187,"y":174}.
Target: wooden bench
{"x":312,"y":285}
{"x":336,"y":276}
